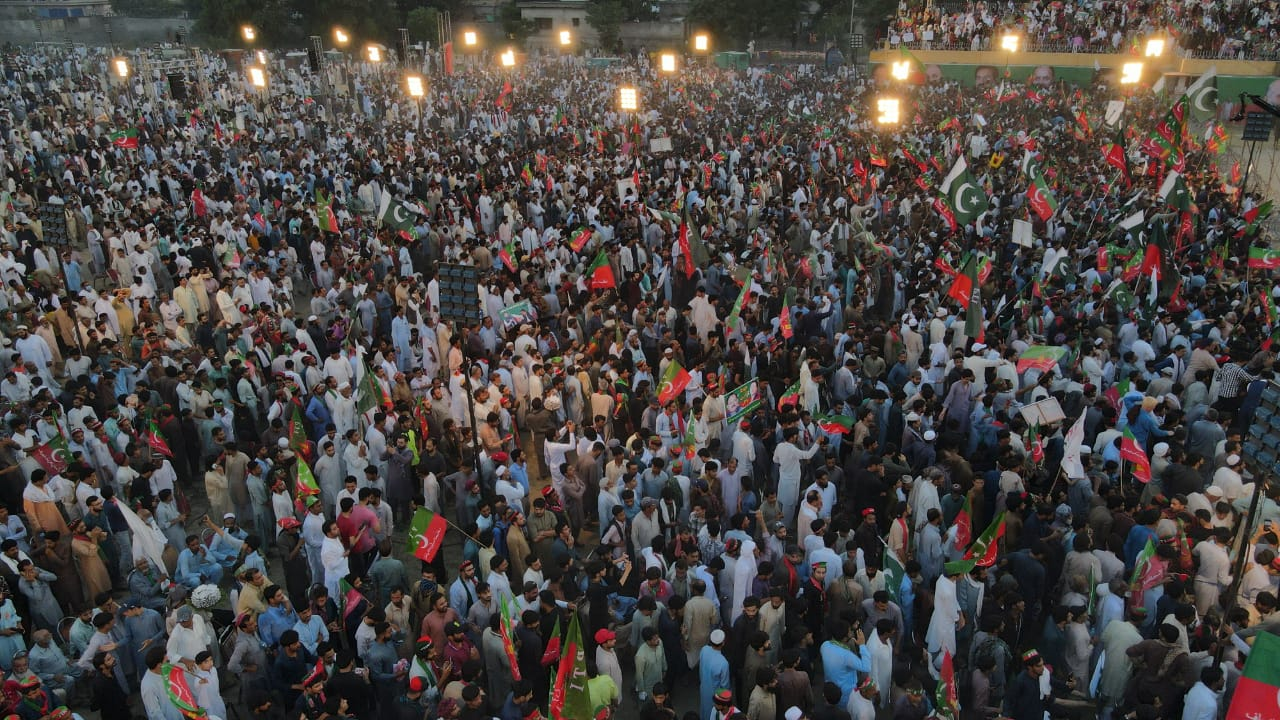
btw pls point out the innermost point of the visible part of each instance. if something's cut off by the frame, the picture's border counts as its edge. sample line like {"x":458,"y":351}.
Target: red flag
{"x":198,"y":204}
{"x":156,"y":440}
{"x":964,"y":525}
{"x":580,"y":240}
{"x":686,"y":251}
{"x":448,"y":58}
{"x":962,"y":284}
{"x":941,"y":208}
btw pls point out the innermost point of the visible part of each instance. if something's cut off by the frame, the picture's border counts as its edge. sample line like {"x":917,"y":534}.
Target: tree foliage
{"x":514,"y":27}
{"x":424,"y":24}
{"x":606,"y":17}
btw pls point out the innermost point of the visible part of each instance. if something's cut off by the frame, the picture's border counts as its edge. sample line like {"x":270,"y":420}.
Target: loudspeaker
{"x":1257,"y":126}
{"x":313,"y":54}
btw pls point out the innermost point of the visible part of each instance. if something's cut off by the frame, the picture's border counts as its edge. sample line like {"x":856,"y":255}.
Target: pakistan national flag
{"x":964,"y":195}
{"x":396,"y":214}
{"x":894,"y":571}
{"x":1120,"y":294}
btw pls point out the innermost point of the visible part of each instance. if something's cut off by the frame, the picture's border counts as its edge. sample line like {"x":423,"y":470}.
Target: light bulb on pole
{"x":508,"y":58}
{"x":121,"y":68}
{"x":566,"y":38}
{"x":469,"y":38}
{"x":1155,"y":47}
{"x":1130,"y":73}
{"x":258,"y":77}
{"x":628,"y":99}
{"x":900,"y":70}
{"x":416,"y":86}
{"x":262,"y":56}
{"x":701,"y":42}
{"x":341,"y":37}
{"x":890,"y":111}
{"x":373,"y":53}
{"x":668,"y":62}
{"x":1009,"y":43}
{"x":248,"y":33}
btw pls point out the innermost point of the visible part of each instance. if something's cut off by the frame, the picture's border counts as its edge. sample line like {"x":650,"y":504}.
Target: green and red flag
{"x":1264,"y":258}
{"x":877,"y":159}
{"x":505,"y":628}
{"x":965,"y":283}
{"x":674,"y":380}
{"x":1143,"y":562}
{"x":741,"y":302}
{"x":298,"y":441}
{"x":784,"y":319}
{"x":690,"y":440}
{"x":1257,"y":692}
{"x":426,"y":534}
{"x":180,"y":694}
{"x":304,"y":481}
{"x":946,"y":697}
{"x":834,"y":424}
{"x":1040,"y":357}
{"x":986,"y":547}
{"x":600,"y":274}
{"x":569,"y":698}
{"x":508,"y":256}
{"x":53,"y":456}
{"x":964,"y":525}
{"x":790,"y":396}
{"x":369,"y":393}
{"x":1132,"y":452}
{"x":581,"y":239}
{"x":324,"y":212}
{"x":686,"y":250}
{"x":155,"y":439}
{"x":1253,"y":218}
{"x":127,"y":138}
{"x":526,"y":175}
{"x":1039,"y":196}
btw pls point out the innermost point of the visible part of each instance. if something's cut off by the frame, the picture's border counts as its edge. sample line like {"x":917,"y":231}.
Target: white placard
{"x":662,"y":144}
{"x":1022,"y":233}
{"x":1043,"y":413}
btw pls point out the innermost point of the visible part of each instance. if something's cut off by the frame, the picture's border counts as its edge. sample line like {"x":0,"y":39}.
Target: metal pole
{"x":1248,"y":167}
{"x":471,"y":398}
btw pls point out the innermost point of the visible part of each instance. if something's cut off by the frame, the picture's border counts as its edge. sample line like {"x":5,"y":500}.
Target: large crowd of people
{"x":1234,"y":30}
{"x":729,"y":410}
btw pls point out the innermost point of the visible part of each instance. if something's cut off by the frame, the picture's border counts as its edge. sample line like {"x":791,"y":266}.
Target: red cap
{"x":604,"y":635}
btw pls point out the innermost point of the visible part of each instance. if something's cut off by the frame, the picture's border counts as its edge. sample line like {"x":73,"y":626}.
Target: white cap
{"x":979,"y":347}
{"x":717,"y":637}
{"x":1213,"y":490}
{"x":500,"y":470}
{"x":1161,"y":449}
{"x":1233,"y":459}
{"x":930,"y":435}
{"x":229,"y":516}
{"x":913,"y":417}
{"x":794,"y":713}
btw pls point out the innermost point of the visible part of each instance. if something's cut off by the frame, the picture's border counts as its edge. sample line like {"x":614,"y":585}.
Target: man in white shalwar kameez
{"x":881,"y":660}
{"x":702,"y":314}
{"x":744,"y":572}
{"x":947,"y":616}
{"x":862,"y":702}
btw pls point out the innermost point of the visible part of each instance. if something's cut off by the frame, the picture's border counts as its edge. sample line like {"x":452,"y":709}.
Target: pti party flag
{"x":600,"y":274}
{"x":964,"y":283}
{"x":834,"y":424}
{"x":1132,"y":452}
{"x":581,"y":239}
{"x":1040,"y":357}
{"x":1257,"y":692}
{"x":686,"y":251}
{"x":508,"y":257}
{"x":350,"y":600}
{"x":964,"y":525}
{"x":1264,"y":258}
{"x":304,"y":481}
{"x":985,"y":548}
{"x":569,"y":699}
{"x":947,"y":698}
{"x":1143,"y":560}
{"x":392,"y":213}
{"x":790,"y":396}
{"x":426,"y":534}
{"x":155,"y":439}
{"x":297,"y":429}
{"x":674,"y":380}
{"x":785,"y":321}
{"x":1117,"y":155}
{"x":324,"y":212}
{"x":127,"y":138}
{"x":1039,"y":196}
{"x":894,"y":571}
{"x":180,"y":694}
{"x":741,"y":400}
{"x":53,"y":456}
{"x":448,"y":58}
{"x":736,"y":311}
{"x":517,"y":314}
{"x":505,"y":629}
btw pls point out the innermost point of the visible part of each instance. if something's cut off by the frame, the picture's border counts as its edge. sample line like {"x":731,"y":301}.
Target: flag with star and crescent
{"x":964,"y":195}
{"x":674,"y":380}
{"x":395,"y":214}
{"x":426,"y":534}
